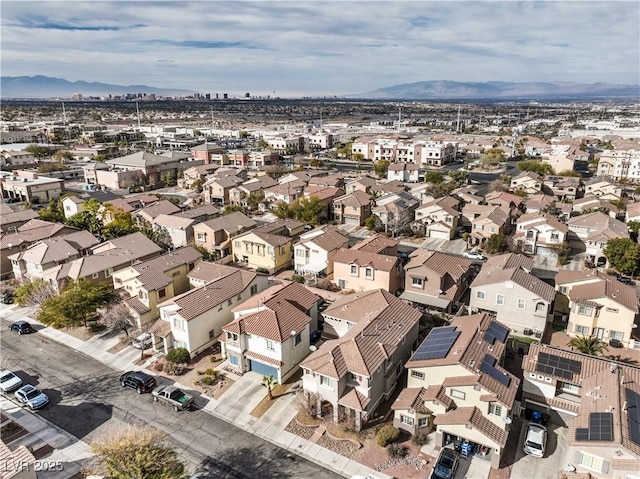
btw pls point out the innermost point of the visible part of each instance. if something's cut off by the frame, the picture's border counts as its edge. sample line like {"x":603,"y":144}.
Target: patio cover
{"x":314,"y":267}
{"x":426,"y":300}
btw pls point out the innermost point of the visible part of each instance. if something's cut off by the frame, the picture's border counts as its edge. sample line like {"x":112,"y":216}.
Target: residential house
{"x":199,"y":214}
{"x":239,"y":194}
{"x":360,"y":270}
{"x":47,"y":253}
{"x":10,"y":221}
{"x":472,"y":211}
{"x":25,"y":235}
{"x":396,"y":211}
{"x":146,"y":215}
{"x":210,"y":153}
{"x":271,"y":332}
{"x":103,"y":260}
{"x":438,"y":218}
{"x":336,"y":181}
{"x":527,"y":182}
{"x":405,"y":172}
{"x":194,"y":320}
{"x":563,"y":187}
{"x":131,"y":203}
{"x":29,"y":186}
{"x":72,"y":205}
{"x":436,"y":280}
{"x":491,"y":222}
{"x":363,"y":184}
{"x":196,"y":173}
{"x":18,"y":159}
{"x":314,"y":254}
{"x":505,"y":287}
{"x":154,"y":281}
{"x":268,"y":247}
{"x":596,"y":398}
{"x":379,"y":244}
{"x":591,"y":203}
{"x":468,"y":194}
{"x":216,"y":235}
{"x":393,"y":187}
{"x":178,"y":229}
{"x":326,"y":194}
{"x":216,"y":189}
{"x":633,"y":212}
{"x":603,"y":187}
{"x":595,"y":230}
{"x":459,"y":386}
{"x":287,"y":192}
{"x":354,"y":373}
{"x":507,"y":201}
{"x":538,"y":203}
{"x":540,"y":234}
{"x":352,"y":208}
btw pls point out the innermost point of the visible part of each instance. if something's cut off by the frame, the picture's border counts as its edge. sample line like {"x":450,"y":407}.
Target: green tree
{"x":197,"y":185}
{"x":372,"y":223}
{"x":588,"y":345}
{"x":38,"y":151}
{"x":634,"y":229}
{"x":381,"y":167}
{"x":159,"y":237}
{"x":316,"y":163}
{"x":268,"y":382}
{"x":624,"y":255}
{"x":497,"y":243}
{"x":434,"y":177}
{"x":33,"y":293}
{"x":89,"y":218}
{"x":308,"y":209}
{"x":122,"y":224}
{"x":459,"y":177}
{"x":536,"y":166}
{"x":135,"y":452}
{"x":254,"y":199}
{"x":51,"y":167}
{"x":228,"y":209}
{"x":575,"y":174}
{"x":441,"y":190}
{"x":282,"y":210}
{"x":78,"y":302}
{"x":178,"y":356}
{"x":52,"y":212}
{"x":63,"y":156}
{"x":493,"y":157}
{"x":206,"y":254}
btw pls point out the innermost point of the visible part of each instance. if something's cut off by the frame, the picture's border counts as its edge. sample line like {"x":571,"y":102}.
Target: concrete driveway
{"x":547,"y":467}
{"x":245,"y":394}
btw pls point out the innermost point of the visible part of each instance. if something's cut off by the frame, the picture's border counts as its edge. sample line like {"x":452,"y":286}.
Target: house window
{"x":423,"y":421}
{"x":355,"y":377}
{"x":541,"y":307}
{"x":178,"y":323}
{"x":368,"y":273}
{"x":455,"y":393}
{"x":229,"y":302}
{"x":162,"y":293}
{"x":611,"y":310}
{"x":417,"y":375}
{"x":254,"y":289}
{"x":522,"y":303}
{"x":234,"y":360}
{"x":325,"y":381}
{"x":569,"y":388}
{"x":406,"y":420}
{"x":417,"y":282}
{"x":500,"y":299}
{"x":495,"y":409}
{"x":202,"y":237}
{"x":176,"y":273}
{"x":212,"y":334}
{"x":583,"y":330}
{"x":236,"y":244}
{"x":298,"y":339}
{"x":95,"y":275}
{"x":563,"y":289}
{"x":481,"y":295}
{"x":555,"y":236}
{"x":270,"y":345}
{"x":585,"y":310}
{"x":108,"y":272}
{"x":354,"y":270}
{"x":616,"y":335}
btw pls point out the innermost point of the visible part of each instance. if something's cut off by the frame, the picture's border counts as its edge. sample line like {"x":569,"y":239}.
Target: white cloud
{"x":321,"y":48}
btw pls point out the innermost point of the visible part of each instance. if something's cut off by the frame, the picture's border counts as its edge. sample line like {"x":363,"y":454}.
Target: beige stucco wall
{"x":389,"y":280}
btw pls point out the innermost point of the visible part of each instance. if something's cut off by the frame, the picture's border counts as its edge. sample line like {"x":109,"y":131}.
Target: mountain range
{"x":47,"y":87}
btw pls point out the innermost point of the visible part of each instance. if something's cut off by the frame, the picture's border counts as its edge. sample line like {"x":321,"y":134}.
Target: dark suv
{"x":141,"y":382}
{"x":446,"y":465}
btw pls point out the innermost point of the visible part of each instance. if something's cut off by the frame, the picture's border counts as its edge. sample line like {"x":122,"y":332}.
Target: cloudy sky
{"x":317,"y":48}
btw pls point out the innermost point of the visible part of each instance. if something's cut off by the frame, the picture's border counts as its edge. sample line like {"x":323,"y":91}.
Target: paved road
{"x":86,"y":397}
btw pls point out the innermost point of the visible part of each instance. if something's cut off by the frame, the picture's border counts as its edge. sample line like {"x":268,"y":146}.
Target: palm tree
{"x":268,"y":382}
{"x":588,"y":345}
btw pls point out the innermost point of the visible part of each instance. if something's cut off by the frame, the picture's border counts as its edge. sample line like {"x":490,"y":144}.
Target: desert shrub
{"x":395,"y":450}
{"x":419,"y":439}
{"x":158,"y":366}
{"x":207,"y":381}
{"x":296,"y":278}
{"x":210,"y":372}
{"x":262,"y":270}
{"x":213,"y":358}
{"x":386,"y":435}
{"x":199,"y":372}
{"x":178,"y":356}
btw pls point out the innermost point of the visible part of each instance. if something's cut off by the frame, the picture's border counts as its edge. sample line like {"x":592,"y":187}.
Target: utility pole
{"x":458,"y":120}
{"x":212,"y":122}
{"x":138,"y":112}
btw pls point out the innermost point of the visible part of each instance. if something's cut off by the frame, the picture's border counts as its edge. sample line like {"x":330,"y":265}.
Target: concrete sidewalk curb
{"x":261,"y":428}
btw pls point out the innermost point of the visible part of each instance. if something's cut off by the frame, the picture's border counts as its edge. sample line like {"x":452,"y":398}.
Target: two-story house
{"x":353,"y":374}
{"x":362,"y":184}
{"x":145,"y":216}
{"x":563,"y":187}
{"x":507,"y":201}
{"x":239,"y":194}
{"x":194,"y":319}
{"x":313,"y":255}
{"x":326,"y":194}
{"x":594,"y":230}
{"x":178,"y":229}
{"x":436,"y":280}
{"x":528,"y":182}
{"x":268,"y":247}
{"x":505,"y":287}
{"x":216,"y":190}
{"x":597,"y":399}
{"x":287,"y":192}
{"x":439,"y":218}
{"x":537,"y":203}
{"x":494,"y":221}
{"x":216,"y":235}
{"x":271,"y":332}
{"x":604,"y":187}
{"x":74,"y":204}
{"x":352,"y":208}
{"x":361,"y":270}
{"x":152,"y":282}
{"x":379,"y":244}
{"x":540,"y":233}
{"x":405,"y":172}
{"x":457,"y":380}
{"x":396,"y":211}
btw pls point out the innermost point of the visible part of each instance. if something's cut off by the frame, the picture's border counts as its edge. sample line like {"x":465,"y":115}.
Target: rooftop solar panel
{"x":582,"y":434}
{"x":633,"y":414}
{"x":600,"y":428}
{"x":558,"y":366}
{"x":437,"y":344}
{"x":496,"y":331}
{"x":488,"y":367}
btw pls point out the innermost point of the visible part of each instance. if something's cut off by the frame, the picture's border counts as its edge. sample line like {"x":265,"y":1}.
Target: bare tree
{"x":32,"y":294}
{"x":117,"y":316}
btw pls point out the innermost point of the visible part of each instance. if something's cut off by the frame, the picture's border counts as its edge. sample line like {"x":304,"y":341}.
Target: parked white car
{"x":9,"y":381}
{"x":535,"y":440}
{"x":31,"y":397}
{"x":474,"y":255}
{"x":142,"y":341}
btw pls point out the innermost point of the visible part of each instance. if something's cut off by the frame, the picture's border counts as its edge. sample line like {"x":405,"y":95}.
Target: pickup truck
{"x":173,"y":396}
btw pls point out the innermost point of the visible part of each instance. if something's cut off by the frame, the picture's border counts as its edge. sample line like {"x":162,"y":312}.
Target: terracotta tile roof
{"x":503,"y":195}
{"x":354,"y":399}
{"x":535,"y":220}
{"x":34,"y":230}
{"x":197,"y":301}
{"x":357,"y":199}
{"x":380,"y":262}
{"x":46,"y":251}
{"x":158,"y":208}
{"x":81,"y":239}
{"x":21,"y":457}
{"x":566,"y":276}
{"x":263,"y":359}
{"x":152,"y":273}
{"x":472,"y":417}
{"x":361,"y":306}
{"x":172,"y":221}
{"x":600,"y":222}
{"x":608,"y":287}
{"x":276,"y":321}
{"x":328,"y":239}
{"x":232,"y":223}
{"x":375,"y":244}
{"x":207,"y":271}
{"x":323,"y":192}
{"x":414,"y":399}
{"x":441,"y":263}
{"x":26,"y":215}
{"x":369,"y":343}
{"x":206,"y":210}
{"x":137,"y":305}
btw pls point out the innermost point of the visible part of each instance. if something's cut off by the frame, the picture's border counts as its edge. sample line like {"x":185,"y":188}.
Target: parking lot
{"x":547,"y":467}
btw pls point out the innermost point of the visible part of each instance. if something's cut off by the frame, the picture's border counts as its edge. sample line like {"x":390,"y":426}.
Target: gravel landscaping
{"x":343,"y":447}
{"x":298,"y":429}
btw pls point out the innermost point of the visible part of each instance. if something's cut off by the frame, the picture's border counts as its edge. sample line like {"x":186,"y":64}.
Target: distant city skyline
{"x":316,"y":48}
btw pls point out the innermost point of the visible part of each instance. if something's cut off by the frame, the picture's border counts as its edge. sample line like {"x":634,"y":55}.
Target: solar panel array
{"x":558,"y":366}
{"x":496,"y":331}
{"x":488,"y":366}
{"x":438,"y":343}
{"x":633,"y":414}
{"x":600,"y":428}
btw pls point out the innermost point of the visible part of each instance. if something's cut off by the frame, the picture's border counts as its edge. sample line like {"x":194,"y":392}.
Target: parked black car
{"x":6,"y":297}
{"x":138,"y":380}
{"x":625,"y":279}
{"x":21,"y":327}
{"x":446,"y":465}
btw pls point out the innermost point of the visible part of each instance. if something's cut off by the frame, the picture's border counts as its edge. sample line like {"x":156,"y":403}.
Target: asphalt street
{"x":86,"y":399}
